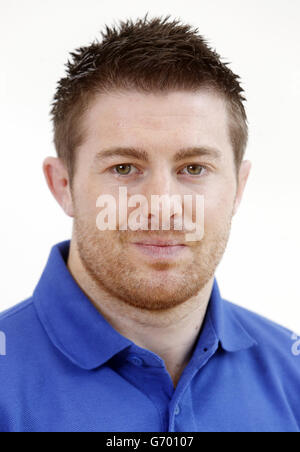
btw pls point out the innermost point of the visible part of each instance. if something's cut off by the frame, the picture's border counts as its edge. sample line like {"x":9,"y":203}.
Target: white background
{"x":261,"y":39}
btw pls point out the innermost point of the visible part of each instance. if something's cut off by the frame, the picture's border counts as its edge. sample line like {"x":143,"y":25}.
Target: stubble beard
{"x":106,"y":257}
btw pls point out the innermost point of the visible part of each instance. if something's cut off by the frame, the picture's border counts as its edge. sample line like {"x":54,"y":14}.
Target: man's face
{"x":161,"y":125}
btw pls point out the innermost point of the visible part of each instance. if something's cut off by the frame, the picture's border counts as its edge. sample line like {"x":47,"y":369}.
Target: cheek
{"x":218,"y":208}
{"x":87,"y":192}
{"x":85,"y":206}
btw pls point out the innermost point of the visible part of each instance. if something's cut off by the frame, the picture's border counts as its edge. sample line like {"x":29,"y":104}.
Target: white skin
{"x":159,"y":305}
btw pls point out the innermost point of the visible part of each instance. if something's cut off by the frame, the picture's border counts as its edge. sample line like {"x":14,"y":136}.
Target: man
{"x":126,"y":329}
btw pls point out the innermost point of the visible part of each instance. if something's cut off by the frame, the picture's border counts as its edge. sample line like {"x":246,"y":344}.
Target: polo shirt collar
{"x":72,"y":322}
{"x":228,"y":329}
{"x":83,"y":335}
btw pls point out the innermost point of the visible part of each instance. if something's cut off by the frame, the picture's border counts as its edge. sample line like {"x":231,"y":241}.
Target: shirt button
{"x":135,"y":360}
{"x":177,"y":410}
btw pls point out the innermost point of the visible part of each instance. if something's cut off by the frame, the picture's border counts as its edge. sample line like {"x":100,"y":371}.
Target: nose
{"x":159,"y":182}
{"x":159,"y":189}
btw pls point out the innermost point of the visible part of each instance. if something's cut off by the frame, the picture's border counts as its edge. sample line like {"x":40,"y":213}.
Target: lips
{"x":161,"y":243}
{"x":166,"y":250}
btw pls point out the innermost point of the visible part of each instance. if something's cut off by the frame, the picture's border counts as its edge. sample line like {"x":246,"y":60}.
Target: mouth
{"x":159,"y":242}
{"x":161,"y":249}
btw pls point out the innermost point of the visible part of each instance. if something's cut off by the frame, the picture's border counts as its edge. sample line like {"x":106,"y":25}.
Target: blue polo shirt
{"x":66,"y":369}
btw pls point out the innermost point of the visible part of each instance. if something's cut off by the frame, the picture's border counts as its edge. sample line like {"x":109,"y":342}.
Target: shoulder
{"x":17,"y":319}
{"x":262,"y":329}
{"x":22,"y":343}
{"x":15,"y":311}
{"x":21,"y":336}
{"x":278,"y":347}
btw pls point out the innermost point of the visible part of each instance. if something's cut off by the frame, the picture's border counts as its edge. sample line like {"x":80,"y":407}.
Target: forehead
{"x":178,"y":118}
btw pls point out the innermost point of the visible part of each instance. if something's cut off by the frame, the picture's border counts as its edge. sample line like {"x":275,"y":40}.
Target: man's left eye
{"x":195,"y":170}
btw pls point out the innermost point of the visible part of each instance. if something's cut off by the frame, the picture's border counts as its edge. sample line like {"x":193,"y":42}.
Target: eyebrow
{"x":141,"y":154}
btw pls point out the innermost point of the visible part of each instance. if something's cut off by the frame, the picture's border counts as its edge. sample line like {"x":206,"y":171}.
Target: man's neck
{"x":171,"y":334}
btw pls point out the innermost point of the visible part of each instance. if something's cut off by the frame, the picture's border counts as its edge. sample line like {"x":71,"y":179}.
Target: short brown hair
{"x":148,"y":55}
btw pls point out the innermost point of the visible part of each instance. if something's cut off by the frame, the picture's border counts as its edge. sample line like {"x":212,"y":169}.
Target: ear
{"x":242,"y":179}
{"x":57,"y":179}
